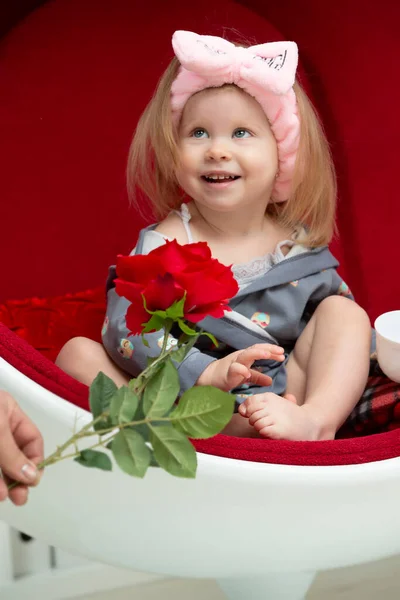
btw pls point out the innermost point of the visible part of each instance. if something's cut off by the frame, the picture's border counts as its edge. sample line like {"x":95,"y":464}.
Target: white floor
{"x":380,"y":580}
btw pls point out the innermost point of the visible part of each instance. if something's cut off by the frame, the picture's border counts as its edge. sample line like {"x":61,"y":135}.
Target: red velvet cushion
{"x":47,"y":323}
{"x":338,"y":452}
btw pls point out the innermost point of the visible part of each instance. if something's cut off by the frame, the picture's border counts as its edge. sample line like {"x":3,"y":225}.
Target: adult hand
{"x":21,"y":449}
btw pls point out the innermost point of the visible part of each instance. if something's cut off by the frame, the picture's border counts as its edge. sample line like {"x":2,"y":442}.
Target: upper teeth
{"x":220,"y":176}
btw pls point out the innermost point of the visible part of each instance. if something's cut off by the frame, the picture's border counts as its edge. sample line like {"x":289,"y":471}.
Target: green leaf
{"x":131,"y":453}
{"x":203,"y":411}
{"x":109,"y":445}
{"x":123,"y":406}
{"x":173,"y":451}
{"x":101,"y":391}
{"x":153,"y":462}
{"x":175,"y":311}
{"x":179,"y":354}
{"x":161,"y":391}
{"x":154,"y":324}
{"x":132,"y":384}
{"x":155,"y":368}
{"x":212,"y":338}
{"x":186,"y":329}
{"x":161,"y":313}
{"x":142,"y":428}
{"x":94,"y":459}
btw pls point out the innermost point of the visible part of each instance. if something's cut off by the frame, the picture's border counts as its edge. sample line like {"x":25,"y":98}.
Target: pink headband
{"x":267,"y":72}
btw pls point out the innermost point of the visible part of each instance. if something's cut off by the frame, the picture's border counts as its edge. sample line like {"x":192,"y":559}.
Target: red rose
{"x":165,"y":274}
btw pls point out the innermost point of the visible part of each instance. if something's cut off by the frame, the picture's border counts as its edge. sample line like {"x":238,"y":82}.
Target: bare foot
{"x":240,"y":427}
{"x":280,"y":418}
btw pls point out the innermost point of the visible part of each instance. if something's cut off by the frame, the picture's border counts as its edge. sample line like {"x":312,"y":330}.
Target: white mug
{"x":387,"y":327}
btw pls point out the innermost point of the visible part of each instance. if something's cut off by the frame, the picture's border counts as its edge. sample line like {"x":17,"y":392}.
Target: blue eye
{"x":199,"y":133}
{"x":241,"y":133}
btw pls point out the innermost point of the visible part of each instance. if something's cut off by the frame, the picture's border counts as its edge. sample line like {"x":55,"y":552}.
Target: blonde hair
{"x":153,"y":160}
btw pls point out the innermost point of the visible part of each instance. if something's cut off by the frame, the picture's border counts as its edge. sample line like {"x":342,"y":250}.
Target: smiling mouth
{"x":219,"y":178}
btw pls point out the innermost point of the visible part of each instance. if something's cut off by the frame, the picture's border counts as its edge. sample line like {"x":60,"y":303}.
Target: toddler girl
{"x":231,"y":152}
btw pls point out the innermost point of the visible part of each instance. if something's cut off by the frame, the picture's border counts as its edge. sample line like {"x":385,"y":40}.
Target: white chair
{"x":262,"y":530}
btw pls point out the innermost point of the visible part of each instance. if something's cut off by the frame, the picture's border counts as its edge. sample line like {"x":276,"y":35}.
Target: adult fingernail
{"x":30,"y":472}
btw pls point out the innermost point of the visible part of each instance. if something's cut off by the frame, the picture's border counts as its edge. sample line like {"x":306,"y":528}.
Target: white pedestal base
{"x":271,"y":586}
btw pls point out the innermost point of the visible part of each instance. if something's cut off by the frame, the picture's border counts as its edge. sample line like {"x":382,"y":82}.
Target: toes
{"x":250,"y":405}
{"x":270,"y":431}
{"x":260,"y":419}
{"x":291,"y":398}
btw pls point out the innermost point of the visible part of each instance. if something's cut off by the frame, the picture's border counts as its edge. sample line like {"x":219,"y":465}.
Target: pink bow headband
{"x":267,"y":72}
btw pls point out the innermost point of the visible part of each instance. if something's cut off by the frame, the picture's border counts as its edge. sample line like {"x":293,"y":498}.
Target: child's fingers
{"x":237,"y":374}
{"x":269,"y":347}
{"x":276,"y":352}
{"x":260,"y":378}
{"x":278,"y":357}
{"x":272,"y":349}
{"x":259,"y":352}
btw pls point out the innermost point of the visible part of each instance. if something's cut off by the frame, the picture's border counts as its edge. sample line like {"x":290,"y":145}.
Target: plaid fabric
{"x":378,"y":409}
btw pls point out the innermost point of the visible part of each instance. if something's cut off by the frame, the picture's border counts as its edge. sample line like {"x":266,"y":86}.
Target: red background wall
{"x":74,"y":77}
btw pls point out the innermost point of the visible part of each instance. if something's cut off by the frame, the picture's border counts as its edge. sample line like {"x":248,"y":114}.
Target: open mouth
{"x":219,"y":178}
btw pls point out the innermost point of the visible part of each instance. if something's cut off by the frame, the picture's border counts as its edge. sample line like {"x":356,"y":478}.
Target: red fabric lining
{"x":377,"y":447}
{"x":37,"y":367}
{"x":48,"y":323}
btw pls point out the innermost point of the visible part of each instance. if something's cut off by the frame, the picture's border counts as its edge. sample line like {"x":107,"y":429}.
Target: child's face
{"x":225,"y":132}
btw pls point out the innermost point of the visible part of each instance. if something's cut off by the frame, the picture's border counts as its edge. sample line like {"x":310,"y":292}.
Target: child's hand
{"x":235,"y":369}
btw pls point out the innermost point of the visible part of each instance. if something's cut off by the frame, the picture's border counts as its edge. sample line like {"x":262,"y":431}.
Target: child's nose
{"x":218,"y":151}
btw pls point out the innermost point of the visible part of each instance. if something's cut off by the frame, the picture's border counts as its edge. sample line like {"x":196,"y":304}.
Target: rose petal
{"x":176,"y":257}
{"x":213,"y":284}
{"x":139,"y":268}
{"x":162,"y":292}
{"x":128,"y":290}
{"x":208,"y":310}
{"x":136,"y":315}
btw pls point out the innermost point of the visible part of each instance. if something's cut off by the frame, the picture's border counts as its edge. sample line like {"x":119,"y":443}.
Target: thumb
{"x":236,"y":375}
{"x":291,"y":398}
{"x":12,"y":461}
